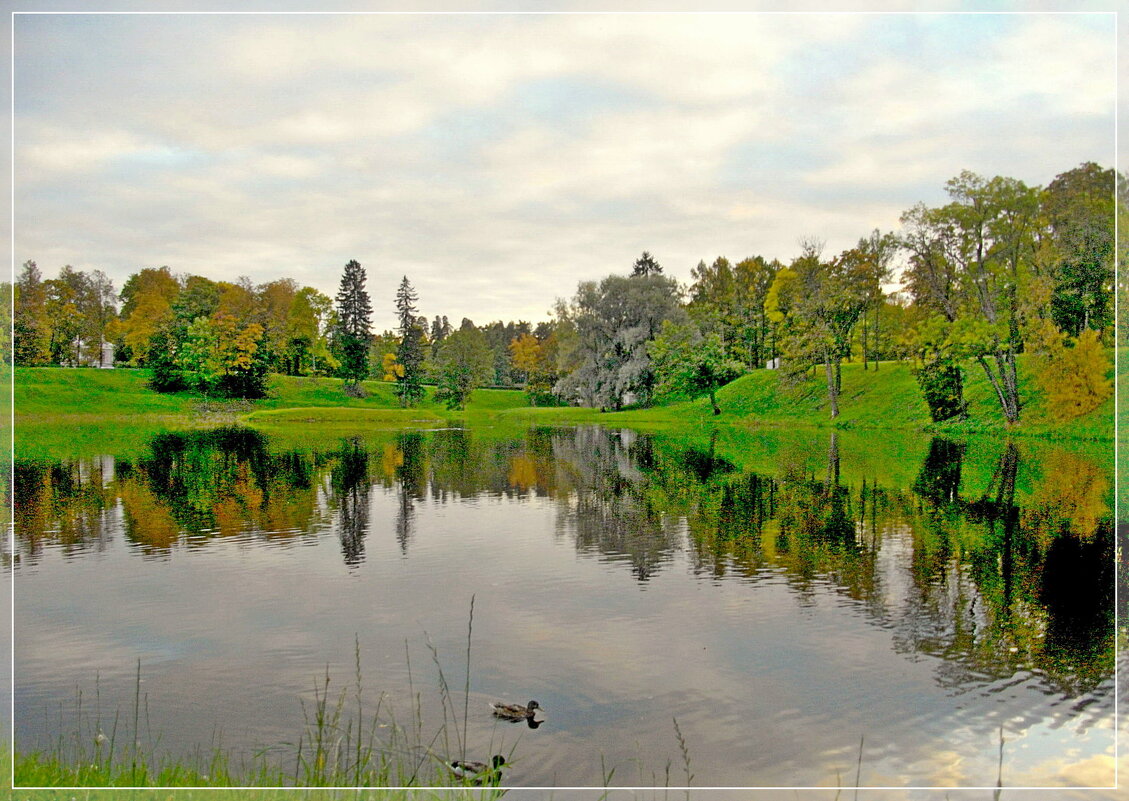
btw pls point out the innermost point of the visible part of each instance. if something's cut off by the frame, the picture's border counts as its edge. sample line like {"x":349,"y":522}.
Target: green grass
{"x":333,"y":415}
{"x":177,"y":782}
{"x":887,"y":398}
{"x":98,"y":411}
{"x":289,"y":392}
{"x":53,"y":393}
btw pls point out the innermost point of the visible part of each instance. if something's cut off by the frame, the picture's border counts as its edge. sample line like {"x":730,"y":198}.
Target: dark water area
{"x":652,"y":592}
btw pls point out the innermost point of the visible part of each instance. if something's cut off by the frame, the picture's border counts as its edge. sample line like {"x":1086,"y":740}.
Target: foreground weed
{"x":338,"y":747}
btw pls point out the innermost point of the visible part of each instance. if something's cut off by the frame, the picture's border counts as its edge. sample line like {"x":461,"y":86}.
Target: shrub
{"x":942,"y":385}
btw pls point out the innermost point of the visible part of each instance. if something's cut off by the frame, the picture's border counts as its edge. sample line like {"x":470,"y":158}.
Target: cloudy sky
{"x":498,"y":159}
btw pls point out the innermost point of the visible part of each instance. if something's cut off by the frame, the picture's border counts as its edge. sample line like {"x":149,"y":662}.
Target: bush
{"x":355,"y":390}
{"x":942,"y":385}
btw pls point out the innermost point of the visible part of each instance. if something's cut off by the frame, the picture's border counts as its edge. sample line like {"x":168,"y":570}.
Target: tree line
{"x":224,"y":339}
{"x":1001,"y":269}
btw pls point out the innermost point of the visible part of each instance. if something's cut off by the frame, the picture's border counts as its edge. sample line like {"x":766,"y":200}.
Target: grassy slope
{"x":96,"y":403}
{"x":52,"y":394}
{"x":884,"y":399}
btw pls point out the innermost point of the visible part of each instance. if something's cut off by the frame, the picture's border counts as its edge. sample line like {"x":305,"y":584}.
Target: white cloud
{"x":44,"y":150}
{"x":535,"y":150}
{"x":1066,"y":63}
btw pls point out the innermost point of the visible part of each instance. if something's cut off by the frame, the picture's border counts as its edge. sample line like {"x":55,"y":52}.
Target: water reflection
{"x":349,"y":477}
{"x":1014,"y":575}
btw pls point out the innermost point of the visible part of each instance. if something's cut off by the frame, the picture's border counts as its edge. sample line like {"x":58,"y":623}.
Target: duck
{"x":478,"y":771}
{"x":515,"y":711}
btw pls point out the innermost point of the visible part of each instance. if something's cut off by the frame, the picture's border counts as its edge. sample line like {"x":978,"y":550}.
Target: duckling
{"x":515,"y":711}
{"x":478,"y":771}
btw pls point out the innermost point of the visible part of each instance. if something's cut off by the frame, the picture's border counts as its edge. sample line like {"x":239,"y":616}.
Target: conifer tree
{"x":646,"y":265}
{"x":354,"y":323}
{"x":409,"y":355}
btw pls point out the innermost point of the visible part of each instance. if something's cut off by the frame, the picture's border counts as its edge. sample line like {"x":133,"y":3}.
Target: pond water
{"x":785,"y":611}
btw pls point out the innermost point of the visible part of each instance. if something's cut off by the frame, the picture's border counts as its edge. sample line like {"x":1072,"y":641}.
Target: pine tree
{"x":646,"y":265}
{"x":354,"y":322}
{"x":409,"y":356}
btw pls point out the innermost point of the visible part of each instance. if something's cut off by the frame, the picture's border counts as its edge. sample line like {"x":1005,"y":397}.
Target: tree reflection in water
{"x":1017,"y":576}
{"x":350,"y":481}
{"x":605,"y":502}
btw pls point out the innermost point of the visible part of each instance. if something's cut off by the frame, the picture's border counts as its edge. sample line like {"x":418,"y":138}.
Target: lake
{"x":752,"y":609}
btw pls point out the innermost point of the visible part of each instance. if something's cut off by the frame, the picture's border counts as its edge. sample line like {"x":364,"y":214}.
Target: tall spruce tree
{"x":354,"y":324}
{"x":409,"y":355}
{"x":646,"y":265}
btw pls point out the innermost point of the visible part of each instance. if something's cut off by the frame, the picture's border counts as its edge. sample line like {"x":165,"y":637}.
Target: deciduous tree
{"x":1080,"y":208}
{"x":817,"y":304}
{"x":613,"y":321}
{"x":983,"y":243}
{"x":272,"y":303}
{"x":64,"y":301}
{"x":463,"y":362}
{"x":147,"y":299}
{"x":1075,"y":379}
{"x":309,"y":324}
{"x":687,"y":363}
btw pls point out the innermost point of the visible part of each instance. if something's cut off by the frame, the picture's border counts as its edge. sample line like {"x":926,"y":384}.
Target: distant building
{"x":91,"y":355}
{"x":773,"y":364}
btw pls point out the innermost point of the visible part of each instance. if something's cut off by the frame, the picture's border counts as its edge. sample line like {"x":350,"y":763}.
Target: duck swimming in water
{"x":515,"y":711}
{"x":478,"y":771}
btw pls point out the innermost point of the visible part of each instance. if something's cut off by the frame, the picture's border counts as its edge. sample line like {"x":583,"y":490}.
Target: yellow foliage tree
{"x":148,"y":297}
{"x":1075,"y":379}
{"x":392,"y":369}
{"x":526,"y":354}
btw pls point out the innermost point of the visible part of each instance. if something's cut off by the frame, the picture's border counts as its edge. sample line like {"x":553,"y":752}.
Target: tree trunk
{"x":1006,"y":361}
{"x":832,"y":389}
{"x":713,"y":402}
{"x":865,"y":362}
{"x":877,"y":311}
{"x":1005,"y":384}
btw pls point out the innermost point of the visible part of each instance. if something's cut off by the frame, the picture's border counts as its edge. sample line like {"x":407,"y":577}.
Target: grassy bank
{"x":887,"y":398}
{"x":57,"y":406}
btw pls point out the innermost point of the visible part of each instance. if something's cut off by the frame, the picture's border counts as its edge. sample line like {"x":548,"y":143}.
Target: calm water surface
{"x":783,"y":600}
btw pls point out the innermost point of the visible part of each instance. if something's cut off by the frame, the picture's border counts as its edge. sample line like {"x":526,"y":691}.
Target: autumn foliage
{"x":1075,"y":379}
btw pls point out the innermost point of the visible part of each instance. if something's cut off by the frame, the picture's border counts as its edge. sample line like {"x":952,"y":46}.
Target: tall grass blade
{"x":466,"y":686}
{"x":1000,"y":770}
{"x":685,"y":756}
{"x":858,"y":769}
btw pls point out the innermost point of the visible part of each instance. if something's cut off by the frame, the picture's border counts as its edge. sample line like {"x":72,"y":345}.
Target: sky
{"x":498,"y":159}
